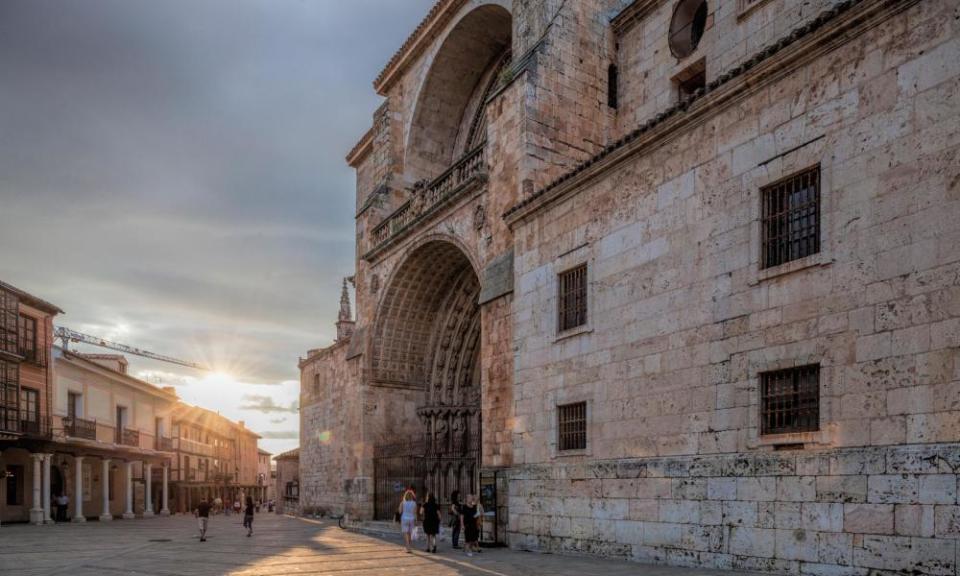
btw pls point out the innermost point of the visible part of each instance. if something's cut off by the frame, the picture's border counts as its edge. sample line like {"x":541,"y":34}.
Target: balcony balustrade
{"x":470,"y":169}
{"x":80,"y":428}
{"x":130,"y":437}
{"x":19,"y":422}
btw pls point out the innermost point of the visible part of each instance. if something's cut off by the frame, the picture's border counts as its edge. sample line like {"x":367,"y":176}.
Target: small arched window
{"x":687,"y":26}
{"x":613,"y":86}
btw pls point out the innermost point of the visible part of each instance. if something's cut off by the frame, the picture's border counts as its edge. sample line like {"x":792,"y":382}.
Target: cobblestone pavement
{"x":280,"y":546}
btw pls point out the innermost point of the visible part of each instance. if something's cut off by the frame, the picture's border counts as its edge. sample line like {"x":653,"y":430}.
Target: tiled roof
{"x":682,"y":106}
{"x":289,"y":455}
{"x":30,"y":299}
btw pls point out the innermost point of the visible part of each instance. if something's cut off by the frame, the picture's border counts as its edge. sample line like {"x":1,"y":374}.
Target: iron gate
{"x":418,"y":465}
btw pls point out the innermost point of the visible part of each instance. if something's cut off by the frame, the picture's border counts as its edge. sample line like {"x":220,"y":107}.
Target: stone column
{"x":148,"y":490}
{"x":128,"y":514}
{"x":164,"y":504}
{"x":47,"y":458}
{"x":36,"y":510}
{"x":105,"y":515}
{"x":78,"y":490}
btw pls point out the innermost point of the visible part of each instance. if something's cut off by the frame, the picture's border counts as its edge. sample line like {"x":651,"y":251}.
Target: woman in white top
{"x":408,"y":516}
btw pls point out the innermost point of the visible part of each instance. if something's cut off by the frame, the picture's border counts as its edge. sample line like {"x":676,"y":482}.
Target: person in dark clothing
{"x":203,"y":517}
{"x":430,"y":514}
{"x":455,"y":519}
{"x":248,"y":516}
{"x":470,"y":521}
{"x":62,"y":502}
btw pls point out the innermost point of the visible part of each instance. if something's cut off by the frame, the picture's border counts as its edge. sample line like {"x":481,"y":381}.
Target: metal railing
{"x":130,"y":437}
{"x":427,"y":197}
{"x":80,"y":428}
{"x":165,"y":444}
{"x":14,"y":421}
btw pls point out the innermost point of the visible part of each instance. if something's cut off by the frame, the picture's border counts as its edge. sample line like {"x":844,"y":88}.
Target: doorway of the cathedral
{"x":428,"y":339}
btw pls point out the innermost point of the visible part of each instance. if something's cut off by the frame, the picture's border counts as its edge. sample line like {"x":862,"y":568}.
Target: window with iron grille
{"x":791,"y":218}
{"x":29,"y":410}
{"x":572,"y":426}
{"x":9,"y":396}
{"x":790,"y":400}
{"x":9,"y":321}
{"x":28,"y":338}
{"x":572,"y":299}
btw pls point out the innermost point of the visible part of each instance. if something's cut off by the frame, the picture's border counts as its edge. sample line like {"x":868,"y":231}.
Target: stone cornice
{"x":361,"y":149}
{"x":632,"y":14}
{"x":832,"y":28}
{"x":439,"y":15}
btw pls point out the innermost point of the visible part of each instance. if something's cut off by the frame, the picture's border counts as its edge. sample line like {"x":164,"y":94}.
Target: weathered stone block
{"x":722,"y":488}
{"x":797,"y":488}
{"x":914,"y":520}
{"x":868,"y":518}
{"x":835,"y":548}
{"x":746,"y":541}
{"x":893,"y":489}
{"x":740,"y":513}
{"x":758,"y":489}
{"x":937,"y":489}
{"x":842,"y":489}
{"x":797,"y":545}
{"x":822,"y":517}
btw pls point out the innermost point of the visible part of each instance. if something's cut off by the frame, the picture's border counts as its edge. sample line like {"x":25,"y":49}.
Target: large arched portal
{"x":427,"y":340}
{"x":449,"y":120}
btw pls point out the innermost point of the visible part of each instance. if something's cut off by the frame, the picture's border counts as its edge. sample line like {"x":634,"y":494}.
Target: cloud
{"x":277,"y":420}
{"x":184,"y":161}
{"x":281,"y":435}
{"x":267,"y":405}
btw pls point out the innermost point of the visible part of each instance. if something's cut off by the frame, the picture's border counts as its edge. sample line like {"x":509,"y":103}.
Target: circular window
{"x":687,"y":26}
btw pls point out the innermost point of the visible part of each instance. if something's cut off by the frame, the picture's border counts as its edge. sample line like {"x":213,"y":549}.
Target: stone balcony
{"x":428,"y":199}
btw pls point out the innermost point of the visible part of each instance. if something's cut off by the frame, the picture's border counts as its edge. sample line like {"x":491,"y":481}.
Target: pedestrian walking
{"x":62,"y":502}
{"x":455,"y":519}
{"x":203,"y":517}
{"x":470,"y":522}
{"x":237,"y":506}
{"x":248,"y":517}
{"x":408,"y":517}
{"x":430,"y":515}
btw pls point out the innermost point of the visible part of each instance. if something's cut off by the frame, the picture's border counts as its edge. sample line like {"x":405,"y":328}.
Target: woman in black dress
{"x":470,"y":521}
{"x":430,"y":514}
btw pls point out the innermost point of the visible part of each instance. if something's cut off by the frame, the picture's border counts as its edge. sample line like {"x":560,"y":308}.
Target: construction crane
{"x":66,"y":335}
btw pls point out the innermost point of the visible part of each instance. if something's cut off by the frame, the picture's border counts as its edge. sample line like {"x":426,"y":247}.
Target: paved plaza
{"x":281,"y":546}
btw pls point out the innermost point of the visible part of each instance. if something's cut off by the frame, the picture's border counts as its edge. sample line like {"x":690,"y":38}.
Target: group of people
{"x":203,"y":510}
{"x":463,"y":518}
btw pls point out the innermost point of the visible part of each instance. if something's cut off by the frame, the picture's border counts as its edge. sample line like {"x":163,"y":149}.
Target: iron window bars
{"x":791,"y":218}
{"x":572,"y":298}
{"x":790,"y":400}
{"x":572,"y":426}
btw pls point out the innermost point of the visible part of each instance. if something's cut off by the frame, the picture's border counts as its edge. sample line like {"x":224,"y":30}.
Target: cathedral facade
{"x":669,"y":280}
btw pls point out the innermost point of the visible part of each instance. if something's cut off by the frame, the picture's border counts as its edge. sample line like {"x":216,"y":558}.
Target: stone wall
{"x":683,"y":320}
{"x":331,"y":439}
{"x":849,"y":511}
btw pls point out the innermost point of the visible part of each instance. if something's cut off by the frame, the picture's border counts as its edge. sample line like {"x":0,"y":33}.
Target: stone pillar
{"x":105,"y":515}
{"x":47,"y":458}
{"x":128,"y":514}
{"x":164,"y":503}
{"x":36,"y":510}
{"x":148,"y":490}
{"x":78,"y":490}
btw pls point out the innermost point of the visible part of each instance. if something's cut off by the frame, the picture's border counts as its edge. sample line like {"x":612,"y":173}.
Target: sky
{"x":172,"y":176}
